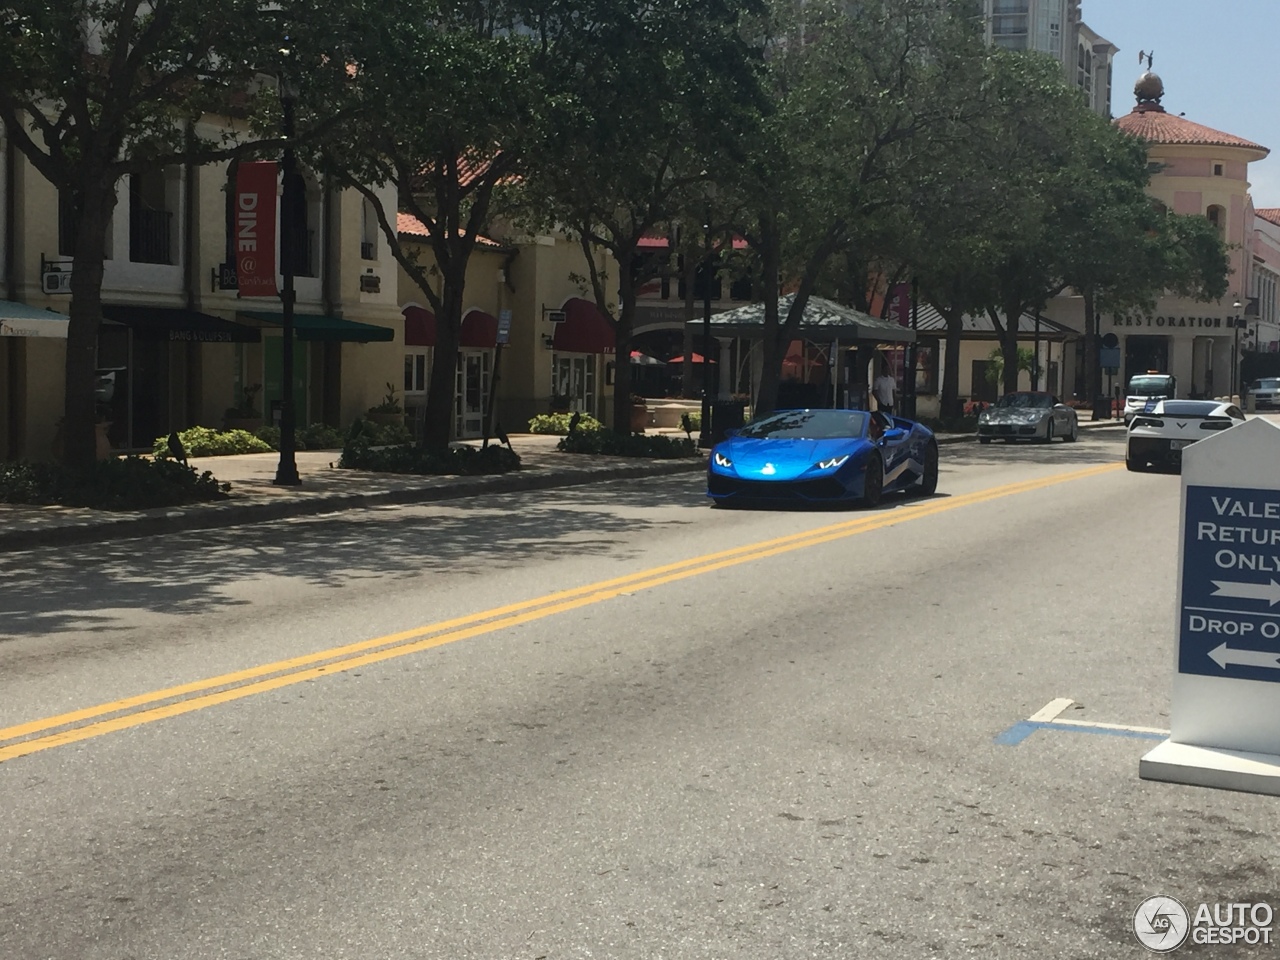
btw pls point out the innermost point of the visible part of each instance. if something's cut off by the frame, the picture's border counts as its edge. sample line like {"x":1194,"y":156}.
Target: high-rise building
{"x":1054,"y":27}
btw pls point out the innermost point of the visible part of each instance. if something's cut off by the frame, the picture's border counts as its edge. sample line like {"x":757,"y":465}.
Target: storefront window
{"x":926,"y":369}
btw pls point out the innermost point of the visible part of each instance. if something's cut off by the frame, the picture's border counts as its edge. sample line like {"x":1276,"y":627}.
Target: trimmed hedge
{"x":358,"y":454}
{"x":610,"y":444}
{"x":558,"y":423}
{"x":208,"y":442}
{"x":120,"y":483}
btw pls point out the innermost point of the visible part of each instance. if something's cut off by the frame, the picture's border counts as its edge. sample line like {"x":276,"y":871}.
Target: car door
{"x":1061,"y":418}
{"x":895,"y":451}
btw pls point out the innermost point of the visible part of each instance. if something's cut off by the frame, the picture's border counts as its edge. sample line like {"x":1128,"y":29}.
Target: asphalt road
{"x":609,"y":722}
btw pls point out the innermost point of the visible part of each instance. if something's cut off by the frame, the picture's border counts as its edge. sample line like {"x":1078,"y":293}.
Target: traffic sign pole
{"x":1225,"y":713}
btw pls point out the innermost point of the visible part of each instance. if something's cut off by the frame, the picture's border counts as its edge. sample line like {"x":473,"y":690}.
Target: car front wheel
{"x":873,"y":481}
{"x":929,"y":478}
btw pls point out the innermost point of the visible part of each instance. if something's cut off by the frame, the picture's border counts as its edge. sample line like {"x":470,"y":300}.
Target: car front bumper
{"x":1011,"y":431}
{"x":722,"y":487}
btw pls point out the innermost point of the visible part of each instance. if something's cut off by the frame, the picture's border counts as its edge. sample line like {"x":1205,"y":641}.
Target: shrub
{"x":359,"y":454}
{"x":123,"y":483}
{"x":317,"y":436}
{"x":320,"y":436}
{"x":610,"y":444}
{"x":378,"y":434}
{"x":269,"y":435}
{"x":208,"y":442}
{"x":558,"y":423}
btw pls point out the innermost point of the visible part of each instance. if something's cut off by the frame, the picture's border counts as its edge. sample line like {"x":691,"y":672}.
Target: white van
{"x":1148,"y":388}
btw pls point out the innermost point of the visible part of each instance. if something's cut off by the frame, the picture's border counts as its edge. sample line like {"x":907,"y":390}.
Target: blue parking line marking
{"x":1017,"y":733}
{"x":1025,"y":728}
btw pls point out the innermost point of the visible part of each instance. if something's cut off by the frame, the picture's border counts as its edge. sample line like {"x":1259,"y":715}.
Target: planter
{"x":639,"y":417}
{"x":386,"y":419}
{"x":251,"y":424}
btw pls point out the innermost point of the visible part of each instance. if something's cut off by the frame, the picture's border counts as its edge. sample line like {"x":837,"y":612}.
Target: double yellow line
{"x":34,"y":736}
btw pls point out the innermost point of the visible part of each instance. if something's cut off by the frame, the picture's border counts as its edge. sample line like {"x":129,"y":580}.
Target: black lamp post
{"x":704,"y":434}
{"x":287,"y":470}
{"x":1235,"y":352}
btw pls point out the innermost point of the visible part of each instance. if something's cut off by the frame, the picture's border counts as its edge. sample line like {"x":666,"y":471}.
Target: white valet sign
{"x":1225,"y":713}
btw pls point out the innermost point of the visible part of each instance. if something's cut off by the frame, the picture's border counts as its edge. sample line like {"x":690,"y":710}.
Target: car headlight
{"x":722,"y":460}
{"x":832,"y":463}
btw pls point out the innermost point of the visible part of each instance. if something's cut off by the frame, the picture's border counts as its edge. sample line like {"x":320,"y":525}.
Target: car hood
{"x":783,"y":459}
{"x":1014,"y":414}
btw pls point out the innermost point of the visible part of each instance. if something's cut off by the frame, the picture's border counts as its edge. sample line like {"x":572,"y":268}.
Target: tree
{"x":657,"y":96}
{"x":856,"y":89}
{"x":445,"y":98}
{"x":93,"y":91}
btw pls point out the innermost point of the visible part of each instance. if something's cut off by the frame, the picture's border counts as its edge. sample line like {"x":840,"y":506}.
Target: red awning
{"x":696,"y":358}
{"x":479,"y":329}
{"x":584,"y":329}
{"x":419,"y":327}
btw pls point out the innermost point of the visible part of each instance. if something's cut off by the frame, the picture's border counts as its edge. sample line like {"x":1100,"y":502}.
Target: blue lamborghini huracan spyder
{"x":823,"y":455}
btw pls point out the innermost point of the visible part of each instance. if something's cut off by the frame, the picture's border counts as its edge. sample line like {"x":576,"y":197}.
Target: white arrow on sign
{"x":1224,"y":657}
{"x":1248,"y":591}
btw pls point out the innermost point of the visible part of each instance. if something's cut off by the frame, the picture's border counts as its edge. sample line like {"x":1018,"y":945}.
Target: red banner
{"x":256,"y":229}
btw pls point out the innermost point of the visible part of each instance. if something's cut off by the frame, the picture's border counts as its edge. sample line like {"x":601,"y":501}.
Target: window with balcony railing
{"x":150,"y":223}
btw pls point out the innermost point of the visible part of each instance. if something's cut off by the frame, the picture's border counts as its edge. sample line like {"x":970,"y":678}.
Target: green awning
{"x":314,"y":326}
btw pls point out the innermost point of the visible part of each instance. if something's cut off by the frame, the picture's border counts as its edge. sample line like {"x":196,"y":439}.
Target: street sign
{"x":1109,"y":357}
{"x":1230,"y":625}
{"x":1225,"y":712}
{"x":504,"y":326}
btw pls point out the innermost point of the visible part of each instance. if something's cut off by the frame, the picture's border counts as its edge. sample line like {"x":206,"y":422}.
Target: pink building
{"x":1199,"y":171}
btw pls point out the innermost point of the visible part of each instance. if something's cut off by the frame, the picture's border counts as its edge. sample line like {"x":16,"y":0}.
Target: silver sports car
{"x":1028,"y":415}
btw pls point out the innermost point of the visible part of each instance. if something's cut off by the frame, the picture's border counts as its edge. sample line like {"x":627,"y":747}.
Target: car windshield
{"x":807,"y":425}
{"x":1033,"y":400}
{"x":1150,"y":386}
{"x":1266,"y":385}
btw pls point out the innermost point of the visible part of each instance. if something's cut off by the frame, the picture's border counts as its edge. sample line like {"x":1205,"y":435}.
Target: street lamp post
{"x":287,"y":470}
{"x":704,"y":434}
{"x":1235,"y":352}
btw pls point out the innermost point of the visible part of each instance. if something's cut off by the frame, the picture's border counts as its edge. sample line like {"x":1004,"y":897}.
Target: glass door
{"x":471,"y":392}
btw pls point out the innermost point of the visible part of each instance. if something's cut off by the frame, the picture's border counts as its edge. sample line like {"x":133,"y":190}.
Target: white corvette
{"x":1160,"y":431}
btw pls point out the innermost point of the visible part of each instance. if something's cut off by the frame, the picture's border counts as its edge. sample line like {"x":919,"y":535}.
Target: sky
{"x":1220,"y":63}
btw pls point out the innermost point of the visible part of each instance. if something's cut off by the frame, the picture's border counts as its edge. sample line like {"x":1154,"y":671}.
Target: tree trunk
{"x":438,"y":427}
{"x":949,"y":405}
{"x":1092,"y":366}
{"x":772,"y":346}
{"x":1009,"y":347}
{"x":79,"y":408}
{"x":622,"y":351}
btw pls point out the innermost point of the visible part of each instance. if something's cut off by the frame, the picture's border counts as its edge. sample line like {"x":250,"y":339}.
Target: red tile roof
{"x":1270,"y":214}
{"x":410,"y":226}
{"x":1155,"y":125}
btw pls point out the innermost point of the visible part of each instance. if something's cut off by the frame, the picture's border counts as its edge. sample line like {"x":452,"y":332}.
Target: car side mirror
{"x":895,"y":433}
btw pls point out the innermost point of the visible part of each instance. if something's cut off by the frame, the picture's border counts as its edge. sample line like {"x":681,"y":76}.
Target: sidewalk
{"x":326,"y":489}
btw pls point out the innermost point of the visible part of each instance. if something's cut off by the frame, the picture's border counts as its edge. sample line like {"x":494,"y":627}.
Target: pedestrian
{"x":885,"y":390}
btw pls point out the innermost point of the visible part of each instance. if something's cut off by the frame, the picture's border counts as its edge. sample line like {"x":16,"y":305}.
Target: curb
{"x":1087,"y":427}
{"x":216,"y":516}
